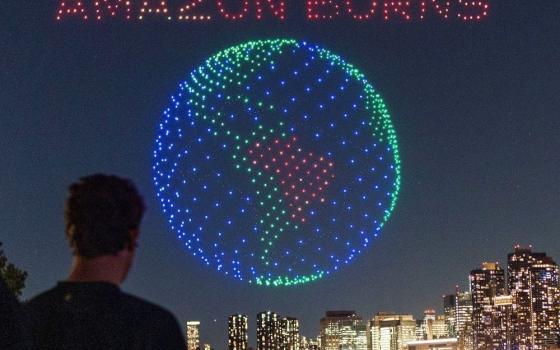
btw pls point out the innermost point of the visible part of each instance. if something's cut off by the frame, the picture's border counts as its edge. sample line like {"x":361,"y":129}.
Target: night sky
{"x":476,"y":108}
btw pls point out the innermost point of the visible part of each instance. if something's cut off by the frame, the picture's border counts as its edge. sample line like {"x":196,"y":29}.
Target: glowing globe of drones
{"x":276,"y":163}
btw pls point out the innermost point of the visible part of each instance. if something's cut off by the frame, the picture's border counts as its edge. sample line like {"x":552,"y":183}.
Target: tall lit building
{"x":192,"y":335}
{"x":419,"y":332}
{"x":289,"y":334}
{"x":464,"y":311}
{"x":361,"y":342}
{"x":304,"y":343}
{"x":450,"y":314}
{"x":431,"y":326}
{"x":308,"y":344}
{"x":545,"y":303}
{"x":268,"y":331}
{"x":439,"y":328}
{"x":426,"y":326}
{"x":238,"y":336}
{"x":490,"y":327}
{"x":533,"y":285}
{"x":342,"y":330}
{"x":502,"y":310}
{"x":390,"y":331}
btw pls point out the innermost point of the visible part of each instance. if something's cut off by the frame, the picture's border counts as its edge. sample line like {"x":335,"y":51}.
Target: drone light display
{"x":276,"y":163}
{"x":241,"y":10}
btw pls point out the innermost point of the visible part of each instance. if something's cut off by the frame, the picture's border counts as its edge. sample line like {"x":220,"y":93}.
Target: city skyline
{"x":497,"y":318}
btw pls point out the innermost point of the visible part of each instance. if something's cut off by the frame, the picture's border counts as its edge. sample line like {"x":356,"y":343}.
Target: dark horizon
{"x":475,"y":107}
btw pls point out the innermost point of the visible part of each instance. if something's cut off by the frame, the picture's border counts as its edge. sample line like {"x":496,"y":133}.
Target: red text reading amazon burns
{"x":245,"y":10}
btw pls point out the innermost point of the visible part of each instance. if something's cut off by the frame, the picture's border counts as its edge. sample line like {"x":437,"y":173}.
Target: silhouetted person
{"x":13,"y":335}
{"x":88,"y":310}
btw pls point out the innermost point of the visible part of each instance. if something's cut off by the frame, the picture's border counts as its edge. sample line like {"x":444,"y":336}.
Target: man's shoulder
{"x":101,"y":314}
{"x":44,"y":298}
{"x":127,"y":304}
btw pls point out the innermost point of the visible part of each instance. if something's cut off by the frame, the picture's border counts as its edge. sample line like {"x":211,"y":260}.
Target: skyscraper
{"x":464,"y":311}
{"x":289,"y":334}
{"x":490,"y":328}
{"x":533,"y":284}
{"x":545,"y":302}
{"x":192,"y":335}
{"x":268,"y":331}
{"x":519,"y":285}
{"x":308,"y":343}
{"x":361,"y":341}
{"x":432,"y":326}
{"x":502,"y":310}
{"x":450,"y":314}
{"x":304,"y":343}
{"x":390,"y":331}
{"x":342,"y":330}
{"x":238,"y":336}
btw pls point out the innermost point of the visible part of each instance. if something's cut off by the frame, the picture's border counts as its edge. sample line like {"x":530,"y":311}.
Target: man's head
{"x":103,"y":214}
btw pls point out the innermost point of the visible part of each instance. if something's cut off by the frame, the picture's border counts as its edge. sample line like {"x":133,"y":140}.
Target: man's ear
{"x":134,"y":234}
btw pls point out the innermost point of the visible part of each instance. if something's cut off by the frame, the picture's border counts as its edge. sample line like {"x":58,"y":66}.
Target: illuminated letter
{"x":441,"y":9}
{"x":276,"y":8}
{"x":112,"y":7}
{"x":183,"y":15}
{"x":71,"y":8}
{"x":370,"y":12}
{"x":330,"y":9}
{"x":160,"y":9}
{"x":397,"y":7}
{"x":479,"y":9}
{"x":233,"y":16}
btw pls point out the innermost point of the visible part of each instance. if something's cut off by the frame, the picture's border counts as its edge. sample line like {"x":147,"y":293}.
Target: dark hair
{"x":100,"y":212}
